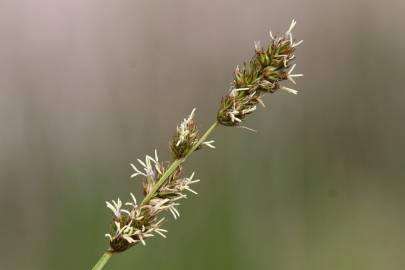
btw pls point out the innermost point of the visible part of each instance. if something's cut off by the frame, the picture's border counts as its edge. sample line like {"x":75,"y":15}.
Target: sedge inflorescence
{"x":164,"y":183}
{"x":269,"y":66}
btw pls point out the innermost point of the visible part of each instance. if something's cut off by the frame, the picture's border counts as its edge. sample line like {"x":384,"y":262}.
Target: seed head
{"x":268,"y":67}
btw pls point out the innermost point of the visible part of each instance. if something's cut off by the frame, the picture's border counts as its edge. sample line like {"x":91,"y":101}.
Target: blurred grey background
{"x":86,"y":87}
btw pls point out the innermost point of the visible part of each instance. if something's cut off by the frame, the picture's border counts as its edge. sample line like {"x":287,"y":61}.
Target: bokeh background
{"x":86,"y":87}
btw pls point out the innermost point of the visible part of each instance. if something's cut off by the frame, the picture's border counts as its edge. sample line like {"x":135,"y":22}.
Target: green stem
{"x":176,"y":164}
{"x":162,"y":179}
{"x":102,"y":261}
{"x":107,"y":255}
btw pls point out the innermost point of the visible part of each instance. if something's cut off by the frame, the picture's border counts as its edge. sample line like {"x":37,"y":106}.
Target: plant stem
{"x":201,"y":140}
{"x":102,"y":261}
{"x":107,"y":255}
{"x":176,"y":164}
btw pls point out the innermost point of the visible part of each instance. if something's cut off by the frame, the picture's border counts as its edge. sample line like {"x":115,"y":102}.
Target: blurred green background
{"x":86,"y":87}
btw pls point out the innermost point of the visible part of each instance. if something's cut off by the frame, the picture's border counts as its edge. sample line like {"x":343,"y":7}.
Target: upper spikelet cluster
{"x":263,"y":74}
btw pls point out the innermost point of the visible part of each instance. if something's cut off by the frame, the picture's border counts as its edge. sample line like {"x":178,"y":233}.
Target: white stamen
{"x":158,"y":169}
{"x":261,"y":102}
{"x":160,"y":233}
{"x":249,"y":110}
{"x":173,"y":213}
{"x":176,"y":211}
{"x":149,"y":159}
{"x":183,"y":130}
{"x":291,"y":76}
{"x":133,"y":198}
{"x":209,"y":144}
{"x":109,"y":205}
{"x":191,"y":116}
{"x":126,"y":212}
{"x":129,"y":239}
{"x":292,"y":91}
{"x":143,"y":241}
{"x":233,"y":92}
{"x":291,"y":69}
{"x":108,"y":236}
{"x":160,"y":221}
{"x":118,"y":225}
{"x":233,"y":117}
{"x":147,"y":166}
{"x":115,"y":207}
{"x":192,"y":191}
{"x":297,"y":44}
{"x":258,"y":47}
{"x":194,"y":181}
{"x":156,"y":156}
{"x":161,"y":202}
{"x":137,"y":172}
{"x":293,"y":23}
{"x":141,"y":162}
{"x":247,"y":128}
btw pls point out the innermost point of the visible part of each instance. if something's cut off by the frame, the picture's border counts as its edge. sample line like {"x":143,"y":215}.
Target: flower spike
{"x":164,"y":182}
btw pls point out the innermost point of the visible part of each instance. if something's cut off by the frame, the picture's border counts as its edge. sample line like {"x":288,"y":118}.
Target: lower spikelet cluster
{"x":262,"y":75}
{"x":133,"y":222}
